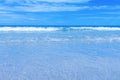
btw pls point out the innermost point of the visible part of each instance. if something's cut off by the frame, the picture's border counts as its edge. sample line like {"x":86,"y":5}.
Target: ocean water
{"x":59,"y":53}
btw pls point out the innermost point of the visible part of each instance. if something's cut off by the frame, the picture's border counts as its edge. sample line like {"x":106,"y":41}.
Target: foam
{"x":109,"y":39}
{"x":47,"y":29}
{"x":97,"y":28}
{"x":28,"y":29}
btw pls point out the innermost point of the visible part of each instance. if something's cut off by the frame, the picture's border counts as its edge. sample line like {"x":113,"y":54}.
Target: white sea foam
{"x":28,"y":29}
{"x":47,"y":29}
{"x":109,"y":39}
{"x":97,"y":28}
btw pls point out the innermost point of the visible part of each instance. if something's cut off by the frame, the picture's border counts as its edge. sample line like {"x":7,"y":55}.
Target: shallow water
{"x":60,"y":55}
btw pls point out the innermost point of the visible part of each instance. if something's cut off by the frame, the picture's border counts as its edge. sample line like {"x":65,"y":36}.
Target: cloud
{"x":106,"y":7}
{"x":115,"y":13}
{"x":43,"y":8}
{"x":38,"y":1}
{"x":69,"y":1}
{"x":54,"y":8}
{"x":4,"y":12}
{"x":41,"y":5}
{"x":49,"y":6}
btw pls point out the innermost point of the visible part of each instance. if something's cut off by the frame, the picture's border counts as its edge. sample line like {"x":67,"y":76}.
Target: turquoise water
{"x":79,"y":54}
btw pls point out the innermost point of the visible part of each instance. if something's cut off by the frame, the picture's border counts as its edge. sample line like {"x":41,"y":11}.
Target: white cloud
{"x":4,"y":12}
{"x":43,"y":8}
{"x":100,"y":7}
{"x":115,"y":13}
{"x":49,"y":8}
{"x":36,"y":1}
{"x":38,"y":6}
{"x":106,"y":7}
{"x":69,"y":1}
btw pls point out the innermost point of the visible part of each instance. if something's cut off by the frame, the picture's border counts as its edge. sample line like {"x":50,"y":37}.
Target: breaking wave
{"x":79,"y":40}
{"x":97,"y":28}
{"x":47,"y":29}
{"x":28,"y":29}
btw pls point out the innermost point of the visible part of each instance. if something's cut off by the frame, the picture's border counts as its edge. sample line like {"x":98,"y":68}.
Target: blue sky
{"x":60,"y":12}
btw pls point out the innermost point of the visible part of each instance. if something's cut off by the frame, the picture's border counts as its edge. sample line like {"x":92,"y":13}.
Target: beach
{"x":60,"y":54}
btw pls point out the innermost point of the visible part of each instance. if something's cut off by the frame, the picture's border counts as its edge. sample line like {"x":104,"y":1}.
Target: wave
{"x":28,"y":29}
{"x":58,"y":28}
{"x":52,"y":39}
{"x":97,"y":28}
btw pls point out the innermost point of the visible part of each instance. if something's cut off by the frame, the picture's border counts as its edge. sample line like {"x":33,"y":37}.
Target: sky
{"x":59,"y":12}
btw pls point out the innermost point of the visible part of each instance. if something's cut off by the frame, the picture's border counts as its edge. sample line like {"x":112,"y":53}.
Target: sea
{"x":59,"y":52}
